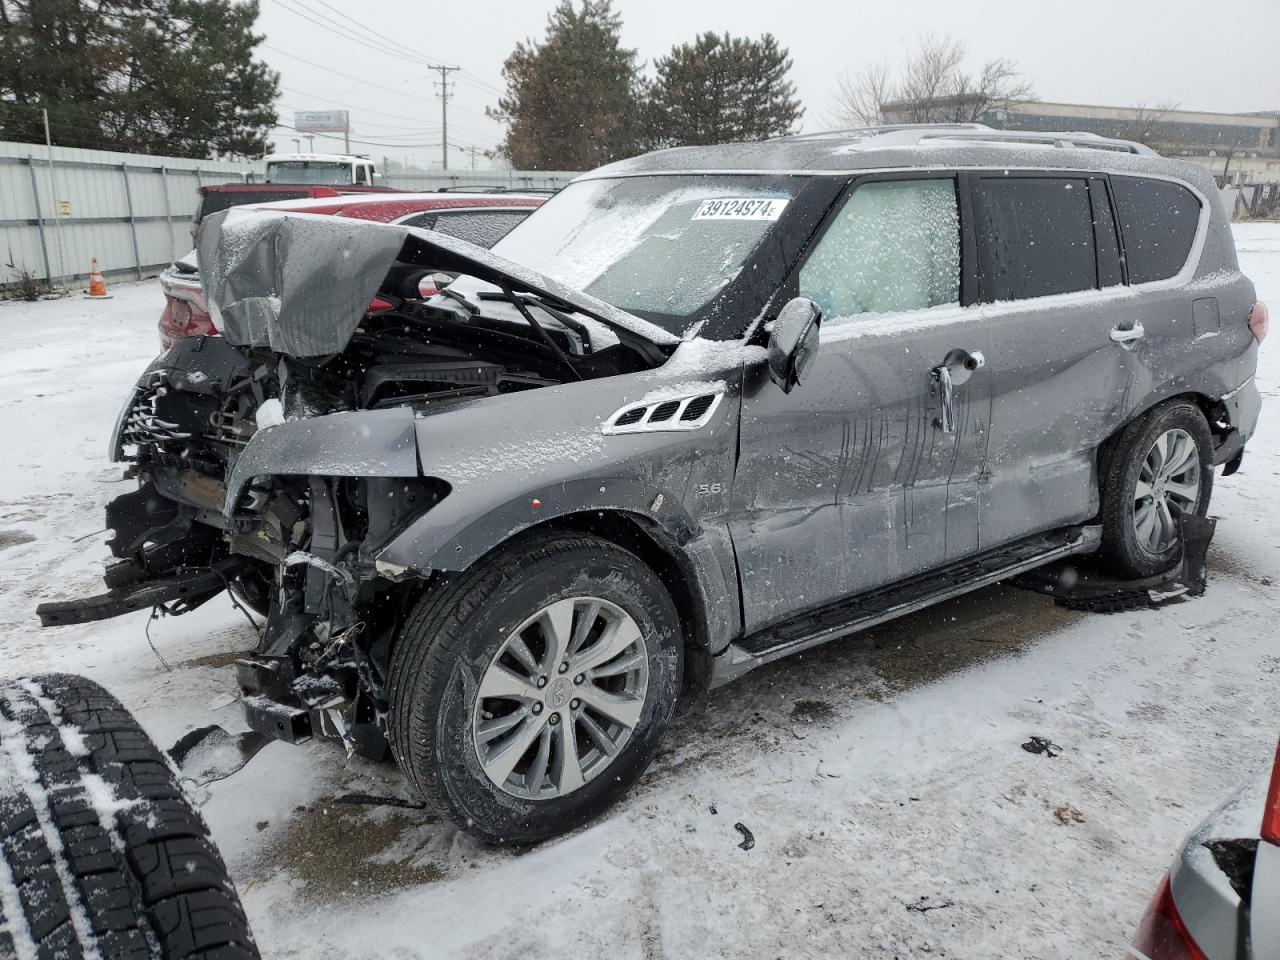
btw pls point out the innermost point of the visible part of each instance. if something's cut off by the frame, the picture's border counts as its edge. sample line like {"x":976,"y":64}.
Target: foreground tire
{"x":530,"y":692}
{"x":102,"y":854}
{"x":1159,"y":466}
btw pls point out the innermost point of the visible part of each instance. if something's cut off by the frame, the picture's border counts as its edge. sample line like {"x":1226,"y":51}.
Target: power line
{"x":382,"y":113}
{"x":372,"y":143}
{"x":424,"y":54}
{"x":346,"y":76}
{"x":369,"y":83}
{"x":334,"y":27}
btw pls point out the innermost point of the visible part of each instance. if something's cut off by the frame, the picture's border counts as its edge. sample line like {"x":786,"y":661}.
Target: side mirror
{"x":793,"y":344}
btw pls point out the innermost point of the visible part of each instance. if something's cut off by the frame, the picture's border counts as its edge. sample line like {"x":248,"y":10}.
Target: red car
{"x":482,"y":219}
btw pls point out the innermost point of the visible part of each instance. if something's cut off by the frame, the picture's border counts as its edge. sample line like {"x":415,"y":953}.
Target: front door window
{"x":894,"y":246}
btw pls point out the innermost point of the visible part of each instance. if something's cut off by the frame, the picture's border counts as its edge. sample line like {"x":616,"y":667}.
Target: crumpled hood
{"x":301,"y":283}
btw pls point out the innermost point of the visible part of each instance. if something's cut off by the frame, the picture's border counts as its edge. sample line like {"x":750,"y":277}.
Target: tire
{"x":102,"y":853}
{"x":1122,"y":467}
{"x":454,"y":636}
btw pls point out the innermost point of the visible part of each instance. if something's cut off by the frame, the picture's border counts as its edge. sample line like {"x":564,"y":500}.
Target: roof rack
{"x":912,"y":134}
{"x":876,"y":130}
{"x":1064,"y":140}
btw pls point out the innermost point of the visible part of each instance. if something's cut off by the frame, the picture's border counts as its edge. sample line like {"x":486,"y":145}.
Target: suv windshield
{"x":308,"y":171}
{"x":662,"y":246}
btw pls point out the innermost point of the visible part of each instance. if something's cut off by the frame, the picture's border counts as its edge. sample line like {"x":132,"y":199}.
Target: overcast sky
{"x":1119,"y":52}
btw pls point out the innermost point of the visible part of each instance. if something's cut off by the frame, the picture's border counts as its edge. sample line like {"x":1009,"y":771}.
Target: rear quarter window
{"x":1158,"y":220}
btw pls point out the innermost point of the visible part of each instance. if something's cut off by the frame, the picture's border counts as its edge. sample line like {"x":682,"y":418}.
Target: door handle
{"x":964,"y":362}
{"x":1128,"y":334}
{"x":942,"y":377}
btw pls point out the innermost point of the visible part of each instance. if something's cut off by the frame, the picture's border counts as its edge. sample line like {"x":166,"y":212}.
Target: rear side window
{"x":1158,"y":220}
{"x":894,"y":245}
{"x":1035,"y":237}
{"x":484,"y":228}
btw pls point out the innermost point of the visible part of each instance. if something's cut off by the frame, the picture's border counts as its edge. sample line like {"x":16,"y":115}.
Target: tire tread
{"x":147,"y":874}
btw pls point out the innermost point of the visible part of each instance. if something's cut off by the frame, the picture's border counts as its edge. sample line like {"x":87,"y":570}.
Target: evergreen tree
{"x":573,"y":101}
{"x":174,"y":77}
{"x":722,"y":90}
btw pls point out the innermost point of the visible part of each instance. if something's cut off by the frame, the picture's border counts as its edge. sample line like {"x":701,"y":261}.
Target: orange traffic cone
{"x":97,"y":286}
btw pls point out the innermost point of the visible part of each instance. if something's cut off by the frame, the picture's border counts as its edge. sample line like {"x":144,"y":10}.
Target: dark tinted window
{"x":484,"y":228}
{"x":1158,"y":220}
{"x":1035,"y":237}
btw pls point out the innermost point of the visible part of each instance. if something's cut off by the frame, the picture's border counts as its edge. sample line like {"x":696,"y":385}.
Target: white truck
{"x":331,"y":169}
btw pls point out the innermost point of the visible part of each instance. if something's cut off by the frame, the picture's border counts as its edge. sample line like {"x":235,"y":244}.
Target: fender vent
{"x":698,"y":406}
{"x":676,"y":413}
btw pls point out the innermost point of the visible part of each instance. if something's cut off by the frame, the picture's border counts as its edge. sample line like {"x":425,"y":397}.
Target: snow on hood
{"x":300,"y":283}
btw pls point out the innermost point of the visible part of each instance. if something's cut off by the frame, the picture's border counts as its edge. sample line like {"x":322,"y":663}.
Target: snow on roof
{"x":928,"y":146}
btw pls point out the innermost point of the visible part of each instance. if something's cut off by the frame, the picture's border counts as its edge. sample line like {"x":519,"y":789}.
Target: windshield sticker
{"x":740,"y":209}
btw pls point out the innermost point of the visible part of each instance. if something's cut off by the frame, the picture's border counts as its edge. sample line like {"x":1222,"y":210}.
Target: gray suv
{"x":705,"y":408}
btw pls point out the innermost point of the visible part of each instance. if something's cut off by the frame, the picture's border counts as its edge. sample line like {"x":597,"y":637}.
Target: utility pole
{"x":474,"y":152}
{"x":444,"y":95}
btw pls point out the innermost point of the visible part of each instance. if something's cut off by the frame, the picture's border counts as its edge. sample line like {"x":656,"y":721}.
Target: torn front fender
{"x":362,"y":443}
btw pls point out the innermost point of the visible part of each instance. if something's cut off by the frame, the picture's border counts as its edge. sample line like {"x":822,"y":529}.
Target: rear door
{"x":1049,"y":277}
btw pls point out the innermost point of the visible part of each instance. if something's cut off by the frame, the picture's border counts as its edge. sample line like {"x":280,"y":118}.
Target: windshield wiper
{"x":556,"y":309}
{"x":467,"y":305}
{"x":546,"y":338}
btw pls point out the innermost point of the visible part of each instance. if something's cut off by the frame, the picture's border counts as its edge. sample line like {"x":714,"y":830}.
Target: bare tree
{"x":1143,"y":126}
{"x":861,"y":95}
{"x":930,"y":86}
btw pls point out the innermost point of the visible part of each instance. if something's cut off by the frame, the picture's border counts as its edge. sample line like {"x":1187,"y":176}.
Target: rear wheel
{"x":529,"y":693}
{"x":1158,"y":468}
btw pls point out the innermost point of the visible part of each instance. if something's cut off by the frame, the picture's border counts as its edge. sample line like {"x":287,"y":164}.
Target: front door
{"x":868,"y":471}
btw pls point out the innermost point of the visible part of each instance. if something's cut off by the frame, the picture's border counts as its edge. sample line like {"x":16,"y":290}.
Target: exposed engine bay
{"x":298,"y":548}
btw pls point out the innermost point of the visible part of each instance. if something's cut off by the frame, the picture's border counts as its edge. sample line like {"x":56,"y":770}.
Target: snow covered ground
{"x":893,"y":811}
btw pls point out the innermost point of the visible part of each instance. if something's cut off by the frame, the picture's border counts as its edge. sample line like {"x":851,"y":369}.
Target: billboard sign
{"x":321,"y":121}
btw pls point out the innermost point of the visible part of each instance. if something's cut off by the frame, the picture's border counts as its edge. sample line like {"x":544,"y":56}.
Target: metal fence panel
{"x":133,"y":212}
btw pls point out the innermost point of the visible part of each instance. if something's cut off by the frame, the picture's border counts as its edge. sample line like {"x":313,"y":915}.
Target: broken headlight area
{"x":323,"y":654}
{"x":303,"y":414}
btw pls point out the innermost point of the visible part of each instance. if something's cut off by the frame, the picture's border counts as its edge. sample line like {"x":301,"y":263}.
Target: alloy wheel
{"x":1168,"y":485}
{"x":561,"y":698}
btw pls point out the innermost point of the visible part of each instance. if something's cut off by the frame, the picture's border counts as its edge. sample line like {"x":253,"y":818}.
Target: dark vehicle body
{"x":216,"y":197}
{"x":817,"y":382}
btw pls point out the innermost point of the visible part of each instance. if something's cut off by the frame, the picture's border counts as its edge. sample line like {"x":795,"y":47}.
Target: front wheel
{"x":529,"y":693}
{"x":1158,"y":468}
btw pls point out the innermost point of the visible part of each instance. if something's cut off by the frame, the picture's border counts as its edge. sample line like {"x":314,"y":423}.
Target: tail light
{"x":1271,"y":808}
{"x":1259,"y":321}
{"x":1162,"y":935}
{"x":379,"y":305}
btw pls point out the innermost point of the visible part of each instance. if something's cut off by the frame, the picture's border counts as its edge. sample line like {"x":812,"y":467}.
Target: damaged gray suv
{"x":705,"y":408}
